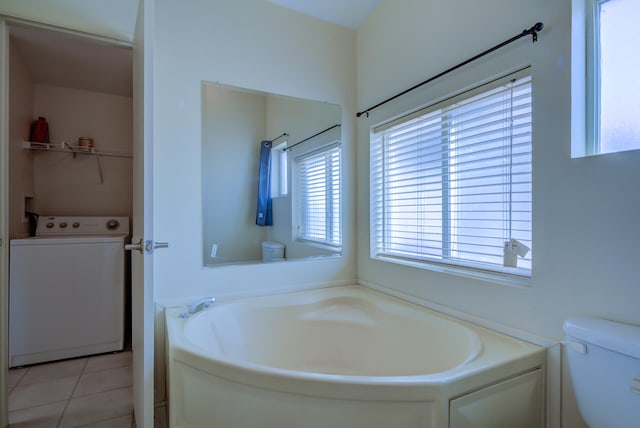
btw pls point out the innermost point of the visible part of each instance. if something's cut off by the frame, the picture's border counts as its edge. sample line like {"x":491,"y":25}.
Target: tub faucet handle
{"x":200,"y":304}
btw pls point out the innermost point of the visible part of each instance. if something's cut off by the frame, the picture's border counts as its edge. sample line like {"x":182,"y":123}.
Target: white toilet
{"x":272,"y":251}
{"x":604,"y":362}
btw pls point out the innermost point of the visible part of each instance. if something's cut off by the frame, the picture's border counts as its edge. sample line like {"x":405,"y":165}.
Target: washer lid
{"x":69,"y":240}
{"x":615,"y":336}
{"x":79,"y":225}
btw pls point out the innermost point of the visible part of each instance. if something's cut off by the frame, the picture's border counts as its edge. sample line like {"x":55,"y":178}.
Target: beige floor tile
{"x":108,"y":361}
{"x":98,"y":407}
{"x":36,"y":394}
{"x":15,"y":375}
{"x":120,"y":422}
{"x":104,"y":380}
{"x":51,"y":371}
{"x":45,"y":416}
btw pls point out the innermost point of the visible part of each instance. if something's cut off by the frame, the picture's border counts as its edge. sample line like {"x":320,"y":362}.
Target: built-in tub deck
{"x":346,"y":357}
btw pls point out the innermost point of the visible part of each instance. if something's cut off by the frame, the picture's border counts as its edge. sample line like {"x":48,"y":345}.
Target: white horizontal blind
{"x":452,"y":183}
{"x":318,"y":202}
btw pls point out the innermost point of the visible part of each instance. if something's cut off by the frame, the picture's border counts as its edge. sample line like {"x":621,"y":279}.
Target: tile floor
{"x":83,"y":392}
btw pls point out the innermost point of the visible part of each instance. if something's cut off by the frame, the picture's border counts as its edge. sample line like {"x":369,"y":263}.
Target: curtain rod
{"x":284,"y":134}
{"x":533,"y":31}
{"x":314,"y":135}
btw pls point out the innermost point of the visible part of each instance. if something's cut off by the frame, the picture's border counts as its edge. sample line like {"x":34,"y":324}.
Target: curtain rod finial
{"x":534,"y":31}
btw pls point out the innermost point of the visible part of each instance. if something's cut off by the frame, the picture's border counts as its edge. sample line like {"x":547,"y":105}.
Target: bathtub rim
{"x":391,"y":306}
{"x":486,"y":369}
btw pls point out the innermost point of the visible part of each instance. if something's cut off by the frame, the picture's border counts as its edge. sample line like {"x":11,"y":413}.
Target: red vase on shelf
{"x":39,"y":131}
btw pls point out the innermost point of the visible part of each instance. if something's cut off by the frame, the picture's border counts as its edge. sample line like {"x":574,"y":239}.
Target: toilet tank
{"x":272,"y":251}
{"x":604,"y":363}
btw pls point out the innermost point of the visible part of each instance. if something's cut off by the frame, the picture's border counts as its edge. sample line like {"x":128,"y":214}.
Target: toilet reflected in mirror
{"x":272,"y":251}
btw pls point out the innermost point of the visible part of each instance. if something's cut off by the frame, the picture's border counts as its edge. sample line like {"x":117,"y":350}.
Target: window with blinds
{"x":318,"y":207}
{"x":451,"y":183}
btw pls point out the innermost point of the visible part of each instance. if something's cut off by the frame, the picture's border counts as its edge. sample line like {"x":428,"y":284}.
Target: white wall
{"x":65,"y":185}
{"x":585,"y":211}
{"x":251,"y":44}
{"x":21,"y":163}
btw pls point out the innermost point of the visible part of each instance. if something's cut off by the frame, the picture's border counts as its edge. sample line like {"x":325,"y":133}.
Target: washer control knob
{"x":50,"y":225}
{"x":63,"y":225}
{"x":113,"y":225}
{"x":75,"y":225}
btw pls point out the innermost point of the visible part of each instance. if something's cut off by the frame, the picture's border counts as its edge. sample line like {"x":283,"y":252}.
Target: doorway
{"x":83,"y":87}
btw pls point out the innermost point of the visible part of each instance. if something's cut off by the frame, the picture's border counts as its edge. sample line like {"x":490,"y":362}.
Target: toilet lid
{"x":615,"y":336}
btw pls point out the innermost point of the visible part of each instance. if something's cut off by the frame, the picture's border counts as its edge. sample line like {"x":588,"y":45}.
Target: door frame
{"x":5,"y":24}
{"x":4,"y":221}
{"x":143,"y":334}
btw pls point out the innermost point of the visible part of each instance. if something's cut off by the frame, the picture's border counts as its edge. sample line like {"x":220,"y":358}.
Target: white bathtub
{"x":346,"y":357}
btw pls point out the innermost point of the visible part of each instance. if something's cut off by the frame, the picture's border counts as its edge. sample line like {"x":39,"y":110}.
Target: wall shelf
{"x":63,"y":147}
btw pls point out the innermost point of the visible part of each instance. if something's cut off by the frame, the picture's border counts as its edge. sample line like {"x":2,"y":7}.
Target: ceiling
{"x":347,"y":13}
{"x":61,"y":59}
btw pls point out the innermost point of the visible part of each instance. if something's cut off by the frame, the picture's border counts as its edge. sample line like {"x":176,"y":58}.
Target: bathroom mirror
{"x":304,"y":177}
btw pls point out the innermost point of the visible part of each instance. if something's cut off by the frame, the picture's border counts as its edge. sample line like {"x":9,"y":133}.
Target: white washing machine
{"x":67,"y":289}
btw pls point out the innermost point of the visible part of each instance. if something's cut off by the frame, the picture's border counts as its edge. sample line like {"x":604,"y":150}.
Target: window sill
{"x":467,"y":272}
{"x":318,"y":244}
